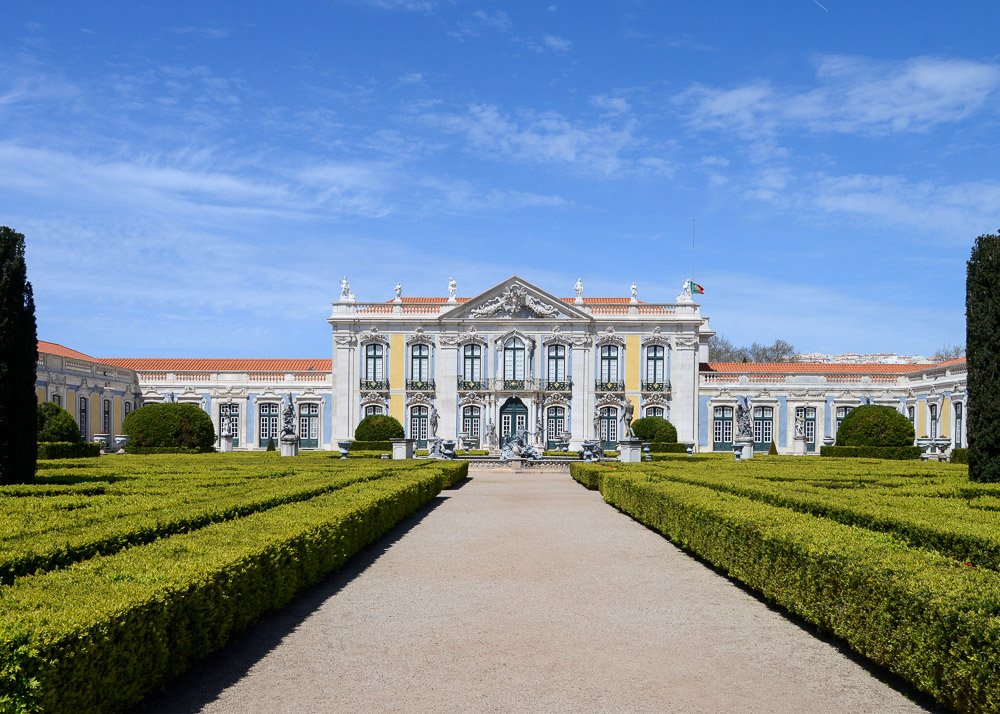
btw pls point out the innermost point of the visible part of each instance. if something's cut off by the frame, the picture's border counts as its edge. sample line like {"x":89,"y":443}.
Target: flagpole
{"x":692,"y":247}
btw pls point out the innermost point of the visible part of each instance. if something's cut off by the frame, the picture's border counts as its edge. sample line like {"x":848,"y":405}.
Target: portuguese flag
{"x":695,"y":288}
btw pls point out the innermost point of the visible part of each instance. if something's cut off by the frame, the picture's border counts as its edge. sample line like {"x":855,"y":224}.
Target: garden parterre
{"x":194,"y":549}
{"x":900,"y":560}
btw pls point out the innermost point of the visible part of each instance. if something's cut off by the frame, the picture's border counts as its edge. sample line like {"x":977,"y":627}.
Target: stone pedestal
{"x":226,"y":443}
{"x":402,"y":448}
{"x":799,"y":446}
{"x":289,"y":445}
{"x":630,"y":451}
{"x":745,"y":444}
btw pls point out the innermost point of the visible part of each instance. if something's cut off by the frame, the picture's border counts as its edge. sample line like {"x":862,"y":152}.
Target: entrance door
{"x":418,"y":426}
{"x":470,"y":423}
{"x":609,"y":427}
{"x":513,"y":417}
{"x":555,"y":425}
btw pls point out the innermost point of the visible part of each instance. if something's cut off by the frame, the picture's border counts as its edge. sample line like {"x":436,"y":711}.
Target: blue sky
{"x":193,"y":178}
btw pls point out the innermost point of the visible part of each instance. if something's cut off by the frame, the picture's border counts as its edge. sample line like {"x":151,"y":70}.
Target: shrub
{"x":772,"y":450}
{"x":56,"y":424}
{"x":982,"y":316}
{"x":653,"y":428}
{"x":371,"y":446}
{"x":959,"y":456}
{"x":270,"y":443}
{"x":68,"y":450}
{"x":183,"y":425}
{"x":875,"y":425}
{"x":667,"y":447}
{"x":379,"y":427}
{"x":898,"y":453}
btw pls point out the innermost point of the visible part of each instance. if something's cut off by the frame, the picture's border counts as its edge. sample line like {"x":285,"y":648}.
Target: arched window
{"x":373,"y":410}
{"x":374,"y":363}
{"x":609,"y":367}
{"x":309,"y":425}
{"x":268,"y":413}
{"x":513,"y":359}
{"x":420,"y":363}
{"x":654,"y":412}
{"x":472,"y":366}
{"x":655,"y":367}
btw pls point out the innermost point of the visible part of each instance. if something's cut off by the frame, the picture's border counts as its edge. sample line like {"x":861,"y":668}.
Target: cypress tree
{"x":982,"y":350}
{"x":18,"y":357}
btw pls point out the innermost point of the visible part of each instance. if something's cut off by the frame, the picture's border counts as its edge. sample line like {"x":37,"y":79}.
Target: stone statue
{"x":491,"y":434}
{"x":226,"y":428}
{"x":517,"y":446}
{"x":800,"y":425}
{"x":399,"y":290}
{"x":345,"y":289}
{"x":628,"y":409}
{"x":539,"y":428}
{"x":434,"y":422}
{"x":685,"y":294}
{"x":578,"y":288}
{"x":597,"y":423}
{"x":743,"y":426}
{"x":452,"y":289}
{"x":288,"y":418}
{"x":635,"y":292}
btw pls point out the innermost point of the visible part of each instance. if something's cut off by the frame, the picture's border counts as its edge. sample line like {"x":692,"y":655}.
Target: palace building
{"x":563,"y":368}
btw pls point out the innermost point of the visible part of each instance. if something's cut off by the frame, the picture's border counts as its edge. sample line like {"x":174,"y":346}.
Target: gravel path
{"x":525,"y":592}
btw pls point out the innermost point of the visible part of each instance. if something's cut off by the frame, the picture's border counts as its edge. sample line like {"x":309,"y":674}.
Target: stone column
{"x":346,"y":386}
{"x":684,"y":387}
{"x":446,"y":388}
{"x":583,"y":395}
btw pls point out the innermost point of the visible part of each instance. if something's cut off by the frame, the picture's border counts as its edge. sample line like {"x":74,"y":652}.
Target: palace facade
{"x":564,"y":368}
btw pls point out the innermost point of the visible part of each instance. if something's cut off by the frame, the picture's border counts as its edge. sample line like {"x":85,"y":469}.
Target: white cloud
{"x":214,"y":33}
{"x":556,"y":43}
{"x":852,"y":95}
{"x":481,"y":21}
{"x":611,"y":104}
{"x":411,"y":78}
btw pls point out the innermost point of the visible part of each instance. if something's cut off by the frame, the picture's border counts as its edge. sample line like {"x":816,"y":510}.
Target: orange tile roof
{"x":197,"y":364}
{"x":53,"y":348}
{"x":951,"y":362}
{"x":811,"y":368}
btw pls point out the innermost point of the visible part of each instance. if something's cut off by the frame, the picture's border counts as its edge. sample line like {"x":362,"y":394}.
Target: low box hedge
{"x":931,"y":619}
{"x":667,"y":447}
{"x":131,"y":448}
{"x":371,"y":446}
{"x":68,"y":449}
{"x":899,"y":453}
{"x":99,"y":635}
{"x":959,"y":456}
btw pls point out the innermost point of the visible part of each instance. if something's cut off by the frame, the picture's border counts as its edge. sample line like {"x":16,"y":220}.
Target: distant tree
{"x":948,"y":352}
{"x":56,"y":424}
{"x":18,"y":357}
{"x":722,"y":350}
{"x":982,"y":330}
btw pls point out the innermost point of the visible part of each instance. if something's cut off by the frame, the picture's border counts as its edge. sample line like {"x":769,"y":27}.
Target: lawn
{"x":899,"y":559}
{"x":118,"y":573}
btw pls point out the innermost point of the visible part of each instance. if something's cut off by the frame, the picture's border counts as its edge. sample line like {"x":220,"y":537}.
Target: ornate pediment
{"x":419,"y":336}
{"x":373,"y":334}
{"x":515,"y":299}
{"x":656,"y":338}
{"x":610,"y":337}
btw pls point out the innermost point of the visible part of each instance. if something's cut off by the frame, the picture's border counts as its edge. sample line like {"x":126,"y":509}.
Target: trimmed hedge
{"x":56,"y":424}
{"x":959,"y":456}
{"x":101,"y":634}
{"x":898,"y":453}
{"x":371,"y":446}
{"x":379,"y":427}
{"x":875,"y":425}
{"x":930,"y":619}
{"x":654,"y":428}
{"x":131,"y":448}
{"x":68,"y":450}
{"x":665,"y":447}
{"x":171,"y":425}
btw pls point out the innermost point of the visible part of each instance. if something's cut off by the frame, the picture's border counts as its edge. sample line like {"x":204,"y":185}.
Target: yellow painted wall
{"x":40,"y":393}
{"x":70,"y":405}
{"x":921,"y":418}
{"x":95,"y":414}
{"x":397,"y":376}
{"x":633,"y":354}
{"x":116,"y":415}
{"x":944,"y":420}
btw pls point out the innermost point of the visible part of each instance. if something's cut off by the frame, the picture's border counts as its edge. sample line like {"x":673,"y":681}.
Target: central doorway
{"x":513,"y":417}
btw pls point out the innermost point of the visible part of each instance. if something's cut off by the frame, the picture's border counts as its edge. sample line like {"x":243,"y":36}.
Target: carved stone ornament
{"x":374,"y":399}
{"x":471,"y":399}
{"x":471,"y":335}
{"x":609,"y":399}
{"x":582,"y":341}
{"x":655,"y":400}
{"x":529,"y":343}
{"x":513,"y":301}
{"x":557,"y":337}
{"x":448,"y":340}
{"x":418,"y":399}
{"x":656,"y":338}
{"x":609,"y":337}
{"x":373,"y":334}
{"x":555,"y":399}
{"x":685,"y":342}
{"x":346,"y":340}
{"x":418,"y":335}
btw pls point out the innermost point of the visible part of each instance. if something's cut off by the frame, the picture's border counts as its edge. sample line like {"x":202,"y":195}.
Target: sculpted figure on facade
{"x":635,"y":292}
{"x":800,"y":425}
{"x":399,"y":291}
{"x":434,"y":421}
{"x":288,"y":417}
{"x":345,"y":289}
{"x":452,"y":289}
{"x":744,"y":427}
{"x":491,"y":434}
{"x":628,"y":410}
{"x":578,"y":289}
{"x":511,"y":301}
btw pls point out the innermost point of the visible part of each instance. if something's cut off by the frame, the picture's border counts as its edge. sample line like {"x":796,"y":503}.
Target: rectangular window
{"x":609,"y":364}
{"x":106,"y":416}
{"x":556,"y":371}
{"x":654,"y":365}
{"x":268,"y":423}
{"x":958,"y":425}
{"x":934,"y":420}
{"x":419,"y":363}
{"x":82,"y":418}
{"x":472,"y":363}
{"x":229,"y":416}
{"x":374,"y":363}
{"x":57,"y":400}
{"x":372,"y":410}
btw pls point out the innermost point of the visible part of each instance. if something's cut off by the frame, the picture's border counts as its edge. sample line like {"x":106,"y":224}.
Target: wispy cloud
{"x":481,"y":21}
{"x":556,"y":44}
{"x":852,"y":95}
{"x":214,"y":33}
{"x":612,"y":104}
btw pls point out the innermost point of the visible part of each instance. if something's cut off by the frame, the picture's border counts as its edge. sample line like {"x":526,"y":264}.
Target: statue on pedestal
{"x":452,"y":289}
{"x":635,"y":292}
{"x":628,"y":410}
{"x":800,"y":425}
{"x":491,"y":435}
{"x":288,"y":419}
{"x":744,"y":427}
{"x":434,"y":422}
{"x":345,"y":289}
{"x":578,"y":288}
{"x":399,"y":291}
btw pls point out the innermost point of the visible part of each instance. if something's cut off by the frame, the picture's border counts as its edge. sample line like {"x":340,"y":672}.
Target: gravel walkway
{"x":525,"y":592}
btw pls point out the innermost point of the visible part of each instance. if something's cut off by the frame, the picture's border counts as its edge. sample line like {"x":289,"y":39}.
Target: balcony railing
{"x":602,"y":386}
{"x":656,"y":386}
{"x":558,"y":385}
{"x":420,"y":385}
{"x":474,"y":385}
{"x":374,"y":385}
{"x":516,"y":385}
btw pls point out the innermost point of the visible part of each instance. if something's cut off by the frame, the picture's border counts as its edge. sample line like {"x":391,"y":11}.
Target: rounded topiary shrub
{"x":875,"y":425}
{"x":654,"y":428}
{"x":378,"y":427}
{"x":180,"y":425}
{"x":56,"y":424}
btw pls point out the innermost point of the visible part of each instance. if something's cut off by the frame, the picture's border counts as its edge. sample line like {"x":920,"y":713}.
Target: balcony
{"x":516,"y":385}
{"x":420,"y":385}
{"x":656,"y":386}
{"x":602,"y":386}
{"x":374,"y":385}
{"x":558,"y":385}
{"x":474,"y":385}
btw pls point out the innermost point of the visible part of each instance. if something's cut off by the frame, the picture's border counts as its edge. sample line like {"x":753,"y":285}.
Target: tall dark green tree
{"x":982,"y":353}
{"x":18,"y":357}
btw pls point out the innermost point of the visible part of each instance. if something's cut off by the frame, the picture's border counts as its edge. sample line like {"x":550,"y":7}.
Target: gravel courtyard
{"x":525,"y":592}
